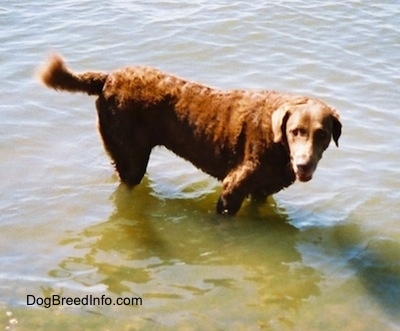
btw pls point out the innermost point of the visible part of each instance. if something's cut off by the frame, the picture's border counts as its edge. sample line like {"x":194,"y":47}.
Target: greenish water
{"x":318,"y":256}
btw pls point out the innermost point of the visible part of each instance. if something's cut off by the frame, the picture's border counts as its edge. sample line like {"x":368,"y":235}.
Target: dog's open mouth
{"x":304,"y":177}
{"x":303,"y":174}
{"x":303,"y":170}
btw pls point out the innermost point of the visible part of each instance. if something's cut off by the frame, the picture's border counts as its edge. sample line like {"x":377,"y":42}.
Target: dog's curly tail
{"x":56,"y":75}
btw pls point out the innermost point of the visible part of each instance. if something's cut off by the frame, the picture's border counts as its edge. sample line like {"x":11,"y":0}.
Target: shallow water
{"x":322,"y":255}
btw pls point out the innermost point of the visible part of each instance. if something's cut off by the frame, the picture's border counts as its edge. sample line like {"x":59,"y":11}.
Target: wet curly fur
{"x":240,"y":137}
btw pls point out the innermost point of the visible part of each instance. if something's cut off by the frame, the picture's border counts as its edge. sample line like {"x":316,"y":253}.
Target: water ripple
{"x":333,"y":240}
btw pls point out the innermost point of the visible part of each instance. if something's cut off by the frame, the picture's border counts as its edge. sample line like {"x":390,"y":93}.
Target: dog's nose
{"x":304,"y":171}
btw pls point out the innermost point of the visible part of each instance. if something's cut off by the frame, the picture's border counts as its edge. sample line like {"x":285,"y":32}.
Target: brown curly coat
{"x":255,"y":142}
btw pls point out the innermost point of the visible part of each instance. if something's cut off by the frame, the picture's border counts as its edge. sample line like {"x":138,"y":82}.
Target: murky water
{"x":318,"y":256}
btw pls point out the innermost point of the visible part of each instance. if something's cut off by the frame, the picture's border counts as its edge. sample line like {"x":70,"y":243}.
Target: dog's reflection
{"x":149,"y":245}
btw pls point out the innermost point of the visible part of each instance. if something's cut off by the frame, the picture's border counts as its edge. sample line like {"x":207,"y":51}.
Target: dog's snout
{"x":304,"y":166}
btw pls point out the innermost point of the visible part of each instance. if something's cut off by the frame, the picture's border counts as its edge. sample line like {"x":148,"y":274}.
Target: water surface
{"x":318,"y":256}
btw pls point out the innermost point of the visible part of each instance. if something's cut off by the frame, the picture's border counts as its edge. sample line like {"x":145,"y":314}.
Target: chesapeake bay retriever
{"x":255,"y":142}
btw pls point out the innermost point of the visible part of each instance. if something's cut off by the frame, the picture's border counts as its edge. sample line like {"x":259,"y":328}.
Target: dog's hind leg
{"x":128,"y":146}
{"x":129,"y":157}
{"x":132,"y":168}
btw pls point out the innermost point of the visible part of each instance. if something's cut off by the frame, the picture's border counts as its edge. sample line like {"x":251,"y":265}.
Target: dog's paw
{"x":224,"y":210}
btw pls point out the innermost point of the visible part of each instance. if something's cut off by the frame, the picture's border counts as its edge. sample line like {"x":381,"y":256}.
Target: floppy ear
{"x":279,"y":118}
{"x":336,"y":127}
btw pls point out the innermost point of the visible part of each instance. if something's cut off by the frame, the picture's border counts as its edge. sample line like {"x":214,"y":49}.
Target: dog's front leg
{"x":235,"y":187}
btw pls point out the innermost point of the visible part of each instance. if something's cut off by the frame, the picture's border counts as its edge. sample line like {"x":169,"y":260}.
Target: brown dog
{"x":255,"y":142}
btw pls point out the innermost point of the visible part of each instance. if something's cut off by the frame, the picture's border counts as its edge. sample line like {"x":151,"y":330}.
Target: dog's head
{"x":305,"y":126}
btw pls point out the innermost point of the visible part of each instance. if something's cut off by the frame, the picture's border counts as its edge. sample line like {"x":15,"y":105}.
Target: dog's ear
{"x":336,"y":126}
{"x":279,"y":119}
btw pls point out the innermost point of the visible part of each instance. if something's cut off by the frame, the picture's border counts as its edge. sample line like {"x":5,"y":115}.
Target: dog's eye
{"x":299,"y":132}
